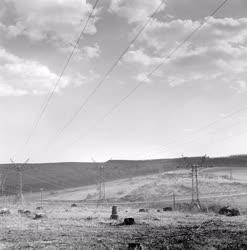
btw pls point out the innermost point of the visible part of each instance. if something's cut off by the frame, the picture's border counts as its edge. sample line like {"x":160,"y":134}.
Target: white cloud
{"x":86,"y":52}
{"x":142,"y":77}
{"x":7,"y":90}
{"x":240,"y":86}
{"x":135,"y":10}
{"x":20,"y":76}
{"x":92,"y":51}
{"x":80,"y":79}
{"x":139,"y":56}
{"x":217,"y":52}
{"x":175,"y":81}
{"x":164,"y":35}
{"x":56,"y":20}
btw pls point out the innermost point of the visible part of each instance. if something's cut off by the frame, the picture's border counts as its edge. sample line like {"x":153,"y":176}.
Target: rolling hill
{"x":55,"y":176}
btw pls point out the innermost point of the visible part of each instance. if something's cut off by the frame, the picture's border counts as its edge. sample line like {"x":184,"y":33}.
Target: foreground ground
{"x":90,"y":228}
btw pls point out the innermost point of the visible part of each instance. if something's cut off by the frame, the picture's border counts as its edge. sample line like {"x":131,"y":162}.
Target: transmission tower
{"x":101,"y":183}
{"x":3,"y":177}
{"x":195,"y":199}
{"x":19,"y":168}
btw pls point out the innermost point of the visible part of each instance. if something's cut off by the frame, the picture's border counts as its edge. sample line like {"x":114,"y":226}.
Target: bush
{"x":228,"y":211}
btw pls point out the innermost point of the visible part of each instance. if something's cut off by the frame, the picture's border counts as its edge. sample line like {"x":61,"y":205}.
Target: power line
{"x":108,"y":72}
{"x":168,"y":56}
{"x":50,"y":96}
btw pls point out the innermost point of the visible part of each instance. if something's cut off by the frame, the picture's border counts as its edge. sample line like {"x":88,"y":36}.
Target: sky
{"x":194,"y":104}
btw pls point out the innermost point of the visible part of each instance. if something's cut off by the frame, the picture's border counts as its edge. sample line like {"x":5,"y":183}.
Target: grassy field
{"x":239,"y":173}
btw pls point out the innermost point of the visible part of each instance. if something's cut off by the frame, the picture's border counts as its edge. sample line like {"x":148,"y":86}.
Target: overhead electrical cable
{"x":168,"y":56}
{"x":51,"y":94}
{"x":109,"y":71}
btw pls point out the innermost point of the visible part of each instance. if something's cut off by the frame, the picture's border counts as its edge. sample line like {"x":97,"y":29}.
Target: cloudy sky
{"x":196,"y":103}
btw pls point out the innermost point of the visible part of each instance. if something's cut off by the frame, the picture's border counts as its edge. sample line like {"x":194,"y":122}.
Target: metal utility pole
{"x":3,"y":180}
{"x":41,"y":197}
{"x":21,"y":187}
{"x":192,"y":184}
{"x":19,"y":168}
{"x":197,"y":187}
{"x":231,"y":177}
{"x":101,"y":183}
{"x":173,"y":201}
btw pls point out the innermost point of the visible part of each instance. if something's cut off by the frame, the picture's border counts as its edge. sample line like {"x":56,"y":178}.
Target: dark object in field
{"x":128,"y":221}
{"x":134,"y":246}
{"x":73,"y":205}
{"x":114,"y":215}
{"x":27,"y":212}
{"x":166,"y":209}
{"x":39,"y":208}
{"x":4,"y":211}
{"x":158,"y":211}
{"x":143,"y":210}
{"x":24,"y":212}
{"x":38,"y":216}
{"x":20,"y":211}
{"x":228,"y":211}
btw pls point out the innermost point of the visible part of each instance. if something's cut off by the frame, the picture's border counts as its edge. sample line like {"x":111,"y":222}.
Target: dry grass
{"x":155,"y":187}
{"x":91,"y":228}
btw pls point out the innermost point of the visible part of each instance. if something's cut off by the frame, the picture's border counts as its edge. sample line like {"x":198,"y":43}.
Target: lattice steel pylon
{"x":195,"y":199}
{"x":3,"y":177}
{"x":100,"y":183}
{"x":20,"y":168}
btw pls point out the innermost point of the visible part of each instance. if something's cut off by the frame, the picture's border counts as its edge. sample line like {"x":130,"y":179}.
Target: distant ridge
{"x":61,"y":175}
{"x":238,"y":156}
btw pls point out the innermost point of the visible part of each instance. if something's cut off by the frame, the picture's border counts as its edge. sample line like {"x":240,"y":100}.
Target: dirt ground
{"x":90,"y":228}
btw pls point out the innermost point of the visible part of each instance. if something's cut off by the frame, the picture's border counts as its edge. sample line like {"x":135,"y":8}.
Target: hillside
{"x":54,"y":176}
